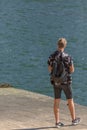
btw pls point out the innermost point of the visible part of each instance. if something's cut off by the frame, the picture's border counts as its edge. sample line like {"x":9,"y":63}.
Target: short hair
{"x":62,"y":43}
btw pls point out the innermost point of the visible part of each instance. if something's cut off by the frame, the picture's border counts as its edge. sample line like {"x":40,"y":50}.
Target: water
{"x":29,"y":30}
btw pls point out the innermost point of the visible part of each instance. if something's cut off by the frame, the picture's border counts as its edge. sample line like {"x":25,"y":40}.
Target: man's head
{"x":62,"y":43}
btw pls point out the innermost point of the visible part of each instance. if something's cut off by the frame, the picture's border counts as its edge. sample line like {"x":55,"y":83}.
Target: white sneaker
{"x":59,"y":124}
{"x":76,"y":121}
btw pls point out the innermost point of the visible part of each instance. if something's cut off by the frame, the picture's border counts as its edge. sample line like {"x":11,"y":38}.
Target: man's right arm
{"x":71,"y":65}
{"x":71,"y":68}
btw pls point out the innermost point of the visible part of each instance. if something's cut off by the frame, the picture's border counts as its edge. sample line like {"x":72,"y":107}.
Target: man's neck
{"x":61,"y":49}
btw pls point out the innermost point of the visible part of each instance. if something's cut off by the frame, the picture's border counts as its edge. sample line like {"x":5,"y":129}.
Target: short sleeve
{"x":51,"y":58}
{"x":70,"y":61}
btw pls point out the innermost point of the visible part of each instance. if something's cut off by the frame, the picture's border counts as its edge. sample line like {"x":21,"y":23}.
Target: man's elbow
{"x":49,"y":68}
{"x":72,"y":69}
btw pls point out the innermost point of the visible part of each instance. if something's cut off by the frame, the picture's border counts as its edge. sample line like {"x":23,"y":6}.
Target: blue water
{"x":29,"y":30}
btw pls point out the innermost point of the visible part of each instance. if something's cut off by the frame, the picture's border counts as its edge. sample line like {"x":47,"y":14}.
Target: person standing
{"x":65,"y":86}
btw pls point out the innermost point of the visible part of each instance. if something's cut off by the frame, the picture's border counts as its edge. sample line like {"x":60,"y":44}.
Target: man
{"x":65,"y":86}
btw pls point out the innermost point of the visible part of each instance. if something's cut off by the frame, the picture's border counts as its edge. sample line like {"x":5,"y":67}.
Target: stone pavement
{"x":24,"y":110}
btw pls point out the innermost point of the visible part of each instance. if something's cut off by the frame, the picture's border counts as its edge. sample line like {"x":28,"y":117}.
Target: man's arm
{"x":50,"y":61}
{"x":49,"y":68}
{"x":71,"y":68}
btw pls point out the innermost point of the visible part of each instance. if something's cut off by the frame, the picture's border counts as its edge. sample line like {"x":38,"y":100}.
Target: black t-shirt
{"x":67,"y":59}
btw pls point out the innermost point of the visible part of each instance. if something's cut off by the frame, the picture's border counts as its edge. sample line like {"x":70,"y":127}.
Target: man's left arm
{"x":50,"y":62}
{"x":49,"y":68}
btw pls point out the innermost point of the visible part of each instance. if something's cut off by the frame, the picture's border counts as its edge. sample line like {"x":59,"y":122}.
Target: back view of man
{"x":65,"y":85}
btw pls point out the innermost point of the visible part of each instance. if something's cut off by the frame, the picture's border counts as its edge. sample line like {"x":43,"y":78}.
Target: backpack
{"x":59,"y":73}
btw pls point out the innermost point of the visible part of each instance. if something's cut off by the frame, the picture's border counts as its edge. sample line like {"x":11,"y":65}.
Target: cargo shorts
{"x":66,"y":88}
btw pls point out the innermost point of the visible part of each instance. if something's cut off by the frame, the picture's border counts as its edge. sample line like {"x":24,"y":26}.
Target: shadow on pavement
{"x":41,"y":128}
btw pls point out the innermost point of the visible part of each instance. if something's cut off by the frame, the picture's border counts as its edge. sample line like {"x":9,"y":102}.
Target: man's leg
{"x":68,"y":92}
{"x":56,"y":109}
{"x":75,"y":120}
{"x":71,"y":108}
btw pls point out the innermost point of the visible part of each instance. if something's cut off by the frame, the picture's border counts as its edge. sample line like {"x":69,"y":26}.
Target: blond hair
{"x":62,"y":43}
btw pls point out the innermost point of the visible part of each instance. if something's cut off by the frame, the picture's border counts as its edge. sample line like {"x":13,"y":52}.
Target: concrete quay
{"x":24,"y":110}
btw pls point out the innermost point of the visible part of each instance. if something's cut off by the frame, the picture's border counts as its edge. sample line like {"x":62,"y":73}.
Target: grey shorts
{"x":66,"y":88}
